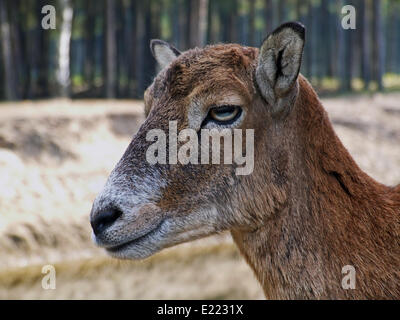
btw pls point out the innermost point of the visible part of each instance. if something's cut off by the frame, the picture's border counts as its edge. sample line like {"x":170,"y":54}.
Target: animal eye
{"x":225,"y":113}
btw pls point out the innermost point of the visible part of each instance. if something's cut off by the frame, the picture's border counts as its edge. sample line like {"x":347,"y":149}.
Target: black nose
{"x":104,"y":219}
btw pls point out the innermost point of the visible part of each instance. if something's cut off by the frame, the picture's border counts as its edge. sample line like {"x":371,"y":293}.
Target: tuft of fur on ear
{"x":279,"y":64}
{"x":163,"y":52}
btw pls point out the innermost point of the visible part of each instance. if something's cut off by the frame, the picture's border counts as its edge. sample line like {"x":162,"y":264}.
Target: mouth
{"x":136,"y":248}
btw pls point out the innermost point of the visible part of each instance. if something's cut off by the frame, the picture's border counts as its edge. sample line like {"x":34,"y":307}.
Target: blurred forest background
{"x":100,"y":49}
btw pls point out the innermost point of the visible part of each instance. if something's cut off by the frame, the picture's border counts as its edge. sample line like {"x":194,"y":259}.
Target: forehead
{"x":214,"y":67}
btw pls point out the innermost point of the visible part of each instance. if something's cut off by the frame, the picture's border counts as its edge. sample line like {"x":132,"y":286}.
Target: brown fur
{"x":335,"y":215}
{"x":307,"y":209}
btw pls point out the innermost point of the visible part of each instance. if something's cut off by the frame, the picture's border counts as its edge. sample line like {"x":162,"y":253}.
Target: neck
{"x":335,"y":215}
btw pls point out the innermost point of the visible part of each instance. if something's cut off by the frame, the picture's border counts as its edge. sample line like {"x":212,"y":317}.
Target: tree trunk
{"x":347,"y":54}
{"x":203,"y":17}
{"x":174,"y":10}
{"x":198,"y":13}
{"x":341,"y":48}
{"x":89,"y":66}
{"x":378,"y":47}
{"x":326,"y":40}
{"x":19,"y":61}
{"x":268,"y":14}
{"x":140,"y":51}
{"x":299,"y":10}
{"x":63,"y":72}
{"x":347,"y":73}
{"x":365,"y":43}
{"x":130,"y":41}
{"x":281,"y":11}
{"x":310,"y":43}
{"x":43,"y":54}
{"x":183,"y":25}
{"x":111,"y":50}
{"x":392,"y":37}
{"x":232,"y":22}
{"x":214,"y":14}
{"x":26,"y":65}
{"x":9,"y":68}
{"x":397,"y":45}
{"x":152,"y":30}
{"x":252,"y":31}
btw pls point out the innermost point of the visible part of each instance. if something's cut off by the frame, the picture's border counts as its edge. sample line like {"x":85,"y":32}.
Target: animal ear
{"x":279,"y":62}
{"x":163,"y":52}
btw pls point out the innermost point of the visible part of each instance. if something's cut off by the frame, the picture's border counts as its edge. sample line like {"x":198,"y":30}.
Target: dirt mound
{"x":50,"y":173}
{"x":53,"y":137}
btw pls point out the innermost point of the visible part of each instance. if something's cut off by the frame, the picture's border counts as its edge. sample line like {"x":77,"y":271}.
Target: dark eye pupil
{"x":223,"y":114}
{"x":224,"y":110}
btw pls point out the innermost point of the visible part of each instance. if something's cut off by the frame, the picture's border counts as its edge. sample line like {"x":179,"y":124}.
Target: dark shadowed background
{"x":100,"y":49}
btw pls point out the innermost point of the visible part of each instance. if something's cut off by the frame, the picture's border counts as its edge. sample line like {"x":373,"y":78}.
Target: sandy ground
{"x":55,"y":157}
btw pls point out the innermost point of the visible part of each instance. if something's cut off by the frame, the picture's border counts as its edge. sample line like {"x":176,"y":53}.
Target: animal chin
{"x":169,"y":232}
{"x":141,"y":247}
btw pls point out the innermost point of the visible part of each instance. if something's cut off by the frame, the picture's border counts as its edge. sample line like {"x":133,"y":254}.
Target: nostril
{"x":105,"y":218}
